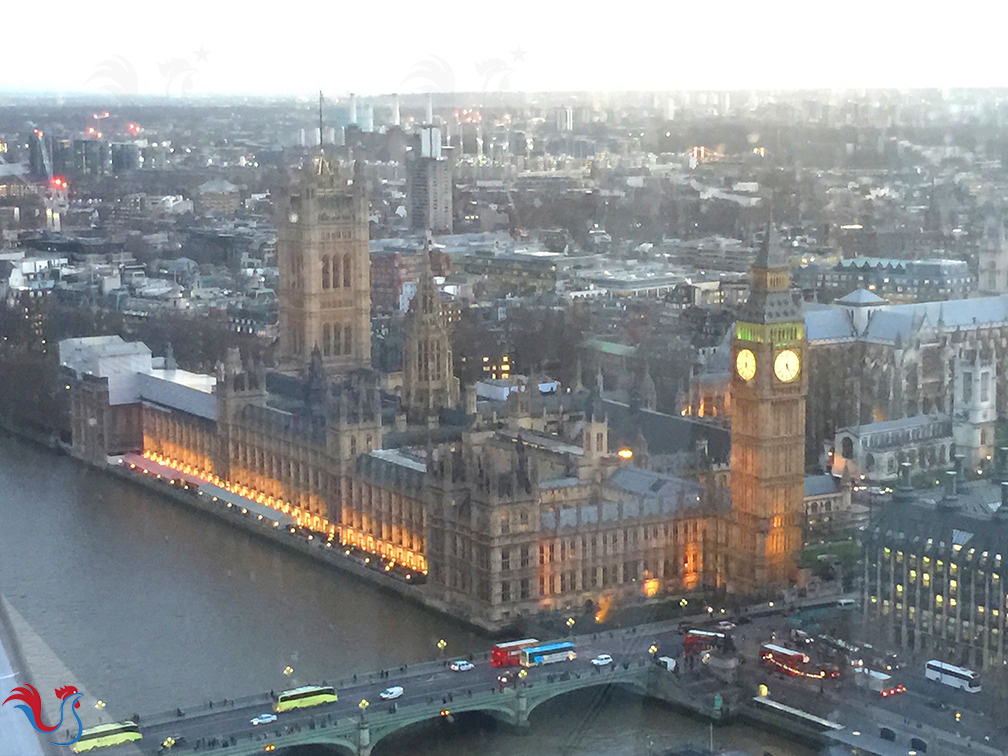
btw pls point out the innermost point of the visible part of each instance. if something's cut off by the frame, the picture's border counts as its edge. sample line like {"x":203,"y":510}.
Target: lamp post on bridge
{"x":570,"y":626}
{"x":441,"y":644}
{"x":99,"y":705}
{"x":363,"y":705}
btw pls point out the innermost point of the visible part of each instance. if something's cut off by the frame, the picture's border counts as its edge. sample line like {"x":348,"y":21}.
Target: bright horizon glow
{"x":206,"y":48}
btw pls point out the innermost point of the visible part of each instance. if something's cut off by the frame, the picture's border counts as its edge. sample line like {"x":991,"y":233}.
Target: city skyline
{"x":199,"y":50}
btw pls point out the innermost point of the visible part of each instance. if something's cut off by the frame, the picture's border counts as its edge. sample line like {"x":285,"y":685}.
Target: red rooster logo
{"x":32,"y":707}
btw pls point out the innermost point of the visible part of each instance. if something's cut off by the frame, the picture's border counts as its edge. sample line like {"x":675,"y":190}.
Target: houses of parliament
{"x":507,"y":517}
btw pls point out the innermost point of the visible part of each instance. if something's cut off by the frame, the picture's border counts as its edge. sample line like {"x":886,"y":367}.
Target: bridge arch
{"x":550,"y":692}
{"x":325,"y":747}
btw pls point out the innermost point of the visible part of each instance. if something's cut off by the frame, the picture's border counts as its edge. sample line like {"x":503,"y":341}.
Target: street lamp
{"x":570,"y":625}
{"x":522,"y":674}
{"x":99,"y":704}
{"x":288,"y":670}
{"x":441,"y":645}
{"x":653,"y":650}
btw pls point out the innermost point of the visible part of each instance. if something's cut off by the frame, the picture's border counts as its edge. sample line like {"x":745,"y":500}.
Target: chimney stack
{"x":950,"y":479}
{"x":1001,"y":513}
{"x":904,"y":491}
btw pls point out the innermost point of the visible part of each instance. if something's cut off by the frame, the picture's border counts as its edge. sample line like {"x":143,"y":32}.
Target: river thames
{"x":147,"y":606}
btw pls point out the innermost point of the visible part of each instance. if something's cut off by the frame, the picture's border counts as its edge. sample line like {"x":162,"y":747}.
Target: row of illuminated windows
{"x":913,"y":559}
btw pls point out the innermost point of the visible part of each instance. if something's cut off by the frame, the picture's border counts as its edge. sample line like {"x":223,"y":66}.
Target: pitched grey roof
{"x":820,"y":485}
{"x":861,"y":298}
{"x":829,"y":324}
{"x":890,"y":323}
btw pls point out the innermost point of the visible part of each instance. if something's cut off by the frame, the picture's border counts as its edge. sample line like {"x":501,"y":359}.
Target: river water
{"x":148,"y":606}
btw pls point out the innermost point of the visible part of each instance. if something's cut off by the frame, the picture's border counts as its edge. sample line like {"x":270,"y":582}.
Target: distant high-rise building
{"x":126,"y":157}
{"x":565,"y":119}
{"x":993,"y":259}
{"x":325,"y":275}
{"x":430,"y":185}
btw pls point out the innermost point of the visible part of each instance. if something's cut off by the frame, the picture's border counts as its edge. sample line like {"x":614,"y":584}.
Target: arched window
{"x":847,"y":448}
{"x":347,"y":340}
{"x":869,"y":462}
{"x":326,"y":340}
{"x":336,"y":281}
{"x":325,"y":271}
{"x":347,"y":270}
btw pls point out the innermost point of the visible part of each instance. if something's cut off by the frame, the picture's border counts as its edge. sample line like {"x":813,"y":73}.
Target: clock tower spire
{"x":768,"y":389}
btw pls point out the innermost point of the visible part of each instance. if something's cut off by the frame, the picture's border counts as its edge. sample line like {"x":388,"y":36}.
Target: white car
{"x":264,"y":719}
{"x":725,"y":625}
{"x":390,"y":694}
{"x":461,"y":666}
{"x":602,"y":660}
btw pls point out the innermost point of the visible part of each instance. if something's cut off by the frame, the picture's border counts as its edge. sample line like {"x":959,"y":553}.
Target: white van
{"x":668,"y":662}
{"x":846,"y":603}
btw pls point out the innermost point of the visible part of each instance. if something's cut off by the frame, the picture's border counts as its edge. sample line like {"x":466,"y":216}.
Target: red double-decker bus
{"x":780,"y":659}
{"x":697,"y":641}
{"x":509,"y":654}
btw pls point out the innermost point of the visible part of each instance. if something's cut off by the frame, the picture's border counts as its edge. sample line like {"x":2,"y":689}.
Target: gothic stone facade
{"x":870,"y":362}
{"x":325,"y":286}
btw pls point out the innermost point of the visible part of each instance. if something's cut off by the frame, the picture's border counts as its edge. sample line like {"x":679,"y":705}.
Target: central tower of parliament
{"x":325,"y":272}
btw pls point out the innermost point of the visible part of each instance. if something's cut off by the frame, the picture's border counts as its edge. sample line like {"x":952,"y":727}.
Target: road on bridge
{"x":429,"y":682}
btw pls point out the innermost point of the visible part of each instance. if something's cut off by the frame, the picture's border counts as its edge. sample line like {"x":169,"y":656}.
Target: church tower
{"x":429,"y":382}
{"x":325,"y":271}
{"x":768,"y":388}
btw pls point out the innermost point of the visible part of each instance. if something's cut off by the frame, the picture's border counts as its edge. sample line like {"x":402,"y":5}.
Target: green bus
{"x":112,"y":734}
{"x":305,"y":696}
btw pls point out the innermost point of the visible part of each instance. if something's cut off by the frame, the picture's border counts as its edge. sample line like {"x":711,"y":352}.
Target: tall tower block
{"x":769,"y":386}
{"x":325,"y":271}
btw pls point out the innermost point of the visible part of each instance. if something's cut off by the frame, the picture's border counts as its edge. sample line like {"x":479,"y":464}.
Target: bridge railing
{"x":382,"y":718}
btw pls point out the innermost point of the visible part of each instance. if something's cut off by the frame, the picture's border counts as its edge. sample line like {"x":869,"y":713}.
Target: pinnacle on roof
{"x":770,"y":254}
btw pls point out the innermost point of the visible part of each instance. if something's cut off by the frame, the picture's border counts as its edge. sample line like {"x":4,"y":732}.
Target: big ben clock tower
{"x":768,"y":388}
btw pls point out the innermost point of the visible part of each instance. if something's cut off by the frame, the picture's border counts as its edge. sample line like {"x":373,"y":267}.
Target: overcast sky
{"x":377,"y":47}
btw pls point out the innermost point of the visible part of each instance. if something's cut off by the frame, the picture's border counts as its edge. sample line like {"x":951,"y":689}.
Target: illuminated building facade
{"x":506,"y":522}
{"x":512,"y":522}
{"x":769,"y":384}
{"x":934,"y":575}
{"x":325,"y":272}
{"x":288,"y":442}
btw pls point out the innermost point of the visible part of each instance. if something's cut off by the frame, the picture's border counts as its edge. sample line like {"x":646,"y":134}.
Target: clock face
{"x":787,"y":365}
{"x":745,"y":364}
